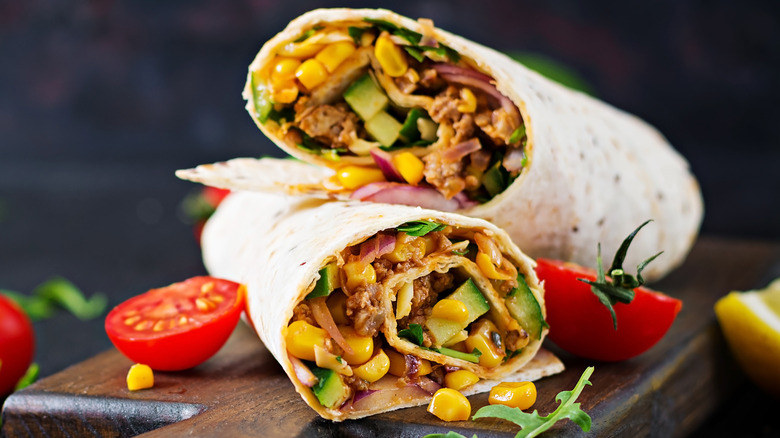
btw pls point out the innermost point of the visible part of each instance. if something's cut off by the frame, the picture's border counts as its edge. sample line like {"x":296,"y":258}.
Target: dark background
{"x":100,"y":101}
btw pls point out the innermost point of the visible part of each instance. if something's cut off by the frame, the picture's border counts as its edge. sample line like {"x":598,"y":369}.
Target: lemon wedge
{"x":751,"y":324}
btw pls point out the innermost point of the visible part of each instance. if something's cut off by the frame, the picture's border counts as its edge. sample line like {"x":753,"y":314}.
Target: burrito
{"x":373,"y":307}
{"x":405,"y":113}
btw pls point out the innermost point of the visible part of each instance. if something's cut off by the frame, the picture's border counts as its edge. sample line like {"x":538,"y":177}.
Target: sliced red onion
{"x":376,"y":247}
{"x":451,"y":369}
{"x":464,"y":201}
{"x":488,"y":88}
{"x":514,"y":159}
{"x":428,"y":385}
{"x":302,"y":372}
{"x":360,"y":395}
{"x":385,"y":162}
{"x":428,"y":41}
{"x":369,"y":189}
{"x":321,"y":314}
{"x":412,"y":364}
{"x":460,"y":150}
{"x":450,"y":69}
{"x":406,"y":194}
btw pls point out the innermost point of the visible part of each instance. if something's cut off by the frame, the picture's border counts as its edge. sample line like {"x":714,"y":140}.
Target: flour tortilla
{"x":594,"y":172}
{"x":276,"y":244}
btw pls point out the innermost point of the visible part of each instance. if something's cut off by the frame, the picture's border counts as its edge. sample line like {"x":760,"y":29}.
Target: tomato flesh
{"x":581,"y":325}
{"x":178,"y":326}
{"x":17,"y":344}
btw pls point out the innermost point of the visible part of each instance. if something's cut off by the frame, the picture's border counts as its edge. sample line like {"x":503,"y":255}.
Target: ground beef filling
{"x":426,"y":292}
{"x":335,"y":126}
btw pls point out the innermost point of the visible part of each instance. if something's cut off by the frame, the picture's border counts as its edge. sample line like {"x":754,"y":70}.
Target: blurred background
{"x":101,"y":100}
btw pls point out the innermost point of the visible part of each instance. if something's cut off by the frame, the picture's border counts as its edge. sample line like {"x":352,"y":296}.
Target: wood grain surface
{"x":668,"y":391}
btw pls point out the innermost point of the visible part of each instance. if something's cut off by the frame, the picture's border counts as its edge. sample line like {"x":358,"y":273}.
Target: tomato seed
{"x":132,"y":320}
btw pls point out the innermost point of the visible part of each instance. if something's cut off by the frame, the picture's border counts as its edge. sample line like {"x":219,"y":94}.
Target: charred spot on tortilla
{"x":345,"y":90}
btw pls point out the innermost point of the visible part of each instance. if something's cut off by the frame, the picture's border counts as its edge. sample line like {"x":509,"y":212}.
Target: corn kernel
{"x":301,"y":50}
{"x":390,"y":57}
{"x":481,"y":338}
{"x":333,"y":55}
{"x":452,"y":310}
{"x":397,"y":363}
{"x":311,"y":73}
{"x":352,"y":177}
{"x":410,"y":167}
{"x":406,"y":247}
{"x":460,"y":379}
{"x":302,"y":337}
{"x":337,"y":304}
{"x":284,"y":70}
{"x":486,"y":266}
{"x":362,"y":346}
{"x":450,"y":405}
{"x":513,"y":394}
{"x":359,"y":273}
{"x":374,"y":369}
{"x":424,"y":368}
{"x":140,"y":376}
{"x":469,"y":101}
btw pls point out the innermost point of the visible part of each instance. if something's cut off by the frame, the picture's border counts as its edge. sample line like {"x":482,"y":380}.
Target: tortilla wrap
{"x":592,"y":173}
{"x":277,"y":244}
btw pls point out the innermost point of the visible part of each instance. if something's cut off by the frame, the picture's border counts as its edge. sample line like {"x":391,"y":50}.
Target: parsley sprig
{"x":620,"y":287}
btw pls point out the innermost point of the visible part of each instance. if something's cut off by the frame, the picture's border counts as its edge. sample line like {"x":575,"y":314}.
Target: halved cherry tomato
{"x":178,"y":326}
{"x":581,"y":325}
{"x":17,"y":345}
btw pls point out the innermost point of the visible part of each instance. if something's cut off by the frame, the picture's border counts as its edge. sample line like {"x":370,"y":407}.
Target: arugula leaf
{"x":414,"y":333}
{"x":620,"y":287}
{"x":534,"y":424}
{"x":420,"y":228}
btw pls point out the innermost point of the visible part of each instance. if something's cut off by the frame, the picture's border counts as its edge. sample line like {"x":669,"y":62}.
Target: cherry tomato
{"x":581,"y":325}
{"x":17,"y":344}
{"x":212,"y":196}
{"x":178,"y":326}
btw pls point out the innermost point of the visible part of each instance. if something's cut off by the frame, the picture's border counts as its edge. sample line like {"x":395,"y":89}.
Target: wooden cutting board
{"x":242,"y":391}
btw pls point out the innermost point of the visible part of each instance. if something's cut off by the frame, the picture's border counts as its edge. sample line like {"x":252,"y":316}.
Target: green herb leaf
{"x":517,"y":135}
{"x":414,"y":53}
{"x":534,"y":424}
{"x":29,"y":377}
{"x":357,"y":33}
{"x":414,"y":333}
{"x":620,"y":287}
{"x":308,"y":34}
{"x":65,"y":294}
{"x":382,"y":24}
{"x":35,"y":307}
{"x":420,"y":228}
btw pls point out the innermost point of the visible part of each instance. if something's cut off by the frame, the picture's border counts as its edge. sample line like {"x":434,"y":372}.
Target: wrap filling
{"x":397,"y":315}
{"x":401,"y":116}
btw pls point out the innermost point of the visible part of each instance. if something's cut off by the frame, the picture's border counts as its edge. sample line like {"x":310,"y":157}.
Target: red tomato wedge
{"x":178,"y":326}
{"x":17,"y":345}
{"x":581,"y":325}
